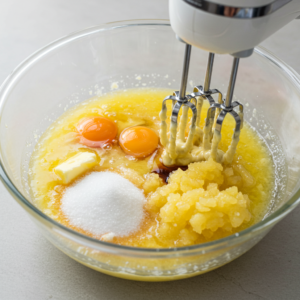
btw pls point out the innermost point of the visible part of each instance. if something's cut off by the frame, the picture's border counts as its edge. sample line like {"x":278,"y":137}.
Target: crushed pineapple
{"x":152,"y":182}
{"x":191,"y":204}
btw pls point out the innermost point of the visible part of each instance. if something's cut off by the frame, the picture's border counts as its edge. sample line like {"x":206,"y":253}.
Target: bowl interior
{"x":143,"y":54}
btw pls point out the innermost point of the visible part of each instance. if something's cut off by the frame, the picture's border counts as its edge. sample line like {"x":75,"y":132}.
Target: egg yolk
{"x":138,"y":141}
{"x":97,"y":131}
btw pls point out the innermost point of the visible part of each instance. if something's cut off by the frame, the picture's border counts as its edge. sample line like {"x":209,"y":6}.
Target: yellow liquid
{"x":60,"y":142}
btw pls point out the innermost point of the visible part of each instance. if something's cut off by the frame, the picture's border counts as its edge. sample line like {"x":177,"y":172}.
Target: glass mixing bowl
{"x":142,"y":53}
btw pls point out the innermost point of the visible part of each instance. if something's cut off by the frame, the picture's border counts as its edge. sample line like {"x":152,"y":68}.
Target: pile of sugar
{"x":104,"y":203}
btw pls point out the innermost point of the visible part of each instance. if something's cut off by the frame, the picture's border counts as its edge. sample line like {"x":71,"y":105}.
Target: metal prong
{"x":217,"y":134}
{"x":228,"y":156}
{"x":232,"y":82}
{"x":185,"y":71}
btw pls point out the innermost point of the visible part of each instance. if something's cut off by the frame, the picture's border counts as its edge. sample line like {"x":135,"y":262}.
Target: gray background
{"x":31,"y":268}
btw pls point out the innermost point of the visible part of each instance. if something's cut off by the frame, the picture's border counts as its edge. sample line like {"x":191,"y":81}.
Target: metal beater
{"x":227,"y":107}
{"x":202,"y":93}
{"x":179,"y":99}
{"x":211,"y":133}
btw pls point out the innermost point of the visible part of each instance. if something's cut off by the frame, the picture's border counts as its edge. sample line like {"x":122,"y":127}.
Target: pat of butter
{"x":75,"y":166}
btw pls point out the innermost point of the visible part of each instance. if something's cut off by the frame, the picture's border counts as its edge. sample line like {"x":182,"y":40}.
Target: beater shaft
{"x":208,"y":73}
{"x":185,"y":71}
{"x":232,"y":80}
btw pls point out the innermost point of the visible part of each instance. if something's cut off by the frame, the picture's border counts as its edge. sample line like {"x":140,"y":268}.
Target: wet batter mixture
{"x":198,"y":202}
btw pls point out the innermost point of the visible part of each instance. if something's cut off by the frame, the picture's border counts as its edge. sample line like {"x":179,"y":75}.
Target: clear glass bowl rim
{"x":8,"y":84}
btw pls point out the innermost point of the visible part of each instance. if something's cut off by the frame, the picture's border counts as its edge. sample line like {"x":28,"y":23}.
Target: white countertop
{"x":31,"y":268}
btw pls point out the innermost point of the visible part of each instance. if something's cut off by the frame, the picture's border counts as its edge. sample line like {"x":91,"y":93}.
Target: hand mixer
{"x":218,"y":26}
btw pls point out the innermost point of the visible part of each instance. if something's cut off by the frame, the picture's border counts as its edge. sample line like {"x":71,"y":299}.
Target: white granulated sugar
{"x":104,"y":202}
